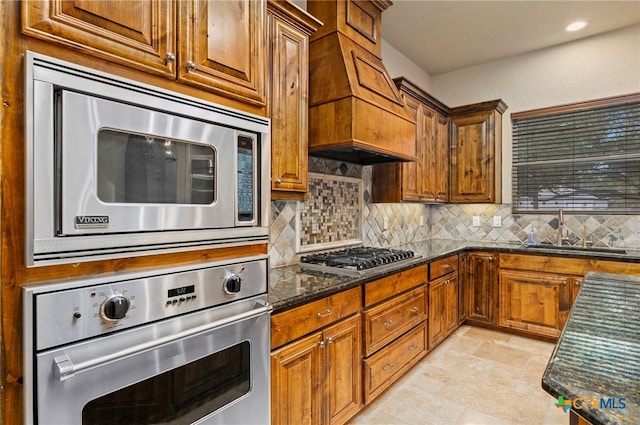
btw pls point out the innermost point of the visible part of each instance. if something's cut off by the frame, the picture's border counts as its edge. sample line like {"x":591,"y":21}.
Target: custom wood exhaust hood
{"x":356,"y":114}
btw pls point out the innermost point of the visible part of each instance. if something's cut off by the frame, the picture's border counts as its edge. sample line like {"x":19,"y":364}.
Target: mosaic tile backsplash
{"x":451,"y":221}
{"x":333,"y":212}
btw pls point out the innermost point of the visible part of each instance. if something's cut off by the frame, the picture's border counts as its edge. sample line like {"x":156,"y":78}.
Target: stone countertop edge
{"x":598,"y":353}
{"x":290,"y":287}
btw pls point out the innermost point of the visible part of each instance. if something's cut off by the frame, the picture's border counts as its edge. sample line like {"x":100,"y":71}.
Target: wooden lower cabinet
{"x":317,"y":379}
{"x":534,"y":302}
{"x":387,"y":365}
{"x":480,"y":277}
{"x":443,"y":308}
{"x":387,"y":321}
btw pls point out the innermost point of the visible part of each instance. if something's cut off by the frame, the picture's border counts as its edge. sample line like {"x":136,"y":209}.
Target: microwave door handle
{"x":64,"y":368}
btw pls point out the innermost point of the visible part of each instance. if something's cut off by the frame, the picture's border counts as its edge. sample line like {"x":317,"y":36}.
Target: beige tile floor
{"x":476,"y":376}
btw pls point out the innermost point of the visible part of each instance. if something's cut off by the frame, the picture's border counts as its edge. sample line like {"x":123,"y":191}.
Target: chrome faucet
{"x":561,"y":238}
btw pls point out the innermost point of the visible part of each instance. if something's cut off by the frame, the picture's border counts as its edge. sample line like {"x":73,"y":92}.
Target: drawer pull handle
{"x":414,"y":347}
{"x":388,"y":366}
{"x":389,"y":324}
{"x":414,"y":310}
{"x":326,"y":313}
{"x":446,"y":266}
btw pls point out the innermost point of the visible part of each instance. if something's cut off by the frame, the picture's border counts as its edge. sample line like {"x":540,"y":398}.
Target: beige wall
{"x":398,"y":65}
{"x":596,"y":67}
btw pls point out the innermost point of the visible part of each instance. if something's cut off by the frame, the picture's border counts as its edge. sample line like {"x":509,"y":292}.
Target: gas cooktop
{"x":357,"y":261}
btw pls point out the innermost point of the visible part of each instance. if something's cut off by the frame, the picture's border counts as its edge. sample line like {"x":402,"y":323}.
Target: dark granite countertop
{"x":598,"y":353}
{"x":289,"y":286}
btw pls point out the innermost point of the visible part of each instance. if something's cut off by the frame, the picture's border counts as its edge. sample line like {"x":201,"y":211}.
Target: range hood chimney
{"x":356,"y":113}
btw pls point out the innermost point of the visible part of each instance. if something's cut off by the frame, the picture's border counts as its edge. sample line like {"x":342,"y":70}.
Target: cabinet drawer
{"x":292,"y":324}
{"x":391,"y":319}
{"x":389,"y":364}
{"x":387,"y":287}
{"x":443,"y":266}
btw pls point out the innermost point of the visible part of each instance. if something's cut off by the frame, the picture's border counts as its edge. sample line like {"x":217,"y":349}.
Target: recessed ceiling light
{"x":575,"y":26}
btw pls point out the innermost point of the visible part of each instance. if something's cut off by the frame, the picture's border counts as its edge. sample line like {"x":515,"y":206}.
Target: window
{"x":582,"y":157}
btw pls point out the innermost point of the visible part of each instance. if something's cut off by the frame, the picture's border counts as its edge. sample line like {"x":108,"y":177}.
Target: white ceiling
{"x":441,"y":36}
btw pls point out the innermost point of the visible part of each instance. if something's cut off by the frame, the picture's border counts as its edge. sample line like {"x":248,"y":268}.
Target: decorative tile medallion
{"x":332,"y":216}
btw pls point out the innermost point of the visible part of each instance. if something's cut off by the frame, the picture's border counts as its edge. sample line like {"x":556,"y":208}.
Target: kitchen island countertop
{"x":598,"y":354}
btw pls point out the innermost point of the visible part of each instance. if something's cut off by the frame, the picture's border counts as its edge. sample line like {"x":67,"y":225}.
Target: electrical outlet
{"x":476,"y":221}
{"x":421,"y":220}
{"x":497,"y":221}
{"x":385,"y":223}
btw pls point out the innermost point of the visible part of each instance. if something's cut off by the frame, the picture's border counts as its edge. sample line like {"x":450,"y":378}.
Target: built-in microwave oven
{"x":118,"y":168}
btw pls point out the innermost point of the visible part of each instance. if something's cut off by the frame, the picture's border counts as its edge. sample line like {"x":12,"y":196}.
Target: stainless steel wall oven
{"x":173,"y":346}
{"x":116,"y":167}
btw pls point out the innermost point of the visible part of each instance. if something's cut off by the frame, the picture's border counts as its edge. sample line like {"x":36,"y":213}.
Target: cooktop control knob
{"x":232,"y":284}
{"x":114,"y":308}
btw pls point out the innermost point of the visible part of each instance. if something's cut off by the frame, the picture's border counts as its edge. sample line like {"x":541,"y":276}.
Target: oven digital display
{"x":190,"y":289}
{"x":245,"y":178}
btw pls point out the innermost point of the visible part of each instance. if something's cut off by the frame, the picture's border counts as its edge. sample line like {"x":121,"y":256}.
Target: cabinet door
{"x":472,"y":158}
{"x":441,"y":169}
{"x":451,"y":303}
{"x":343,"y":370}
{"x":411,"y":171}
{"x":429,"y":170}
{"x":222,"y":47}
{"x":480,"y":282}
{"x":136,"y":33}
{"x":288,"y":108}
{"x":296,"y":382}
{"x":436,"y":326}
{"x":534,"y":302}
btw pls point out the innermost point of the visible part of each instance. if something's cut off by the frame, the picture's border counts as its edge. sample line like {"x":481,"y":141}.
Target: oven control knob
{"x":115,"y":307}
{"x":232,"y":284}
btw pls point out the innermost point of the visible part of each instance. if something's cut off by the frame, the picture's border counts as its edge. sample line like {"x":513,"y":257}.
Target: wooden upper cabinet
{"x":289,"y":28}
{"x":426,"y":179}
{"x":222,"y":47}
{"x":217,"y":46}
{"x":135,"y":33}
{"x":476,"y":152}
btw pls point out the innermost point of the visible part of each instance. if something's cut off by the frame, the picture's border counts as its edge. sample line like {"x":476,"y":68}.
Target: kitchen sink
{"x":578,"y":248}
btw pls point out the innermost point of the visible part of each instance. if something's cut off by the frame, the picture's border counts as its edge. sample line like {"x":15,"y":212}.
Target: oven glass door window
{"x":179,"y":396}
{"x":143,"y":169}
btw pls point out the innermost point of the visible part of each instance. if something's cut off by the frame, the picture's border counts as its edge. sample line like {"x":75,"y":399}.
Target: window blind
{"x":577,"y":157}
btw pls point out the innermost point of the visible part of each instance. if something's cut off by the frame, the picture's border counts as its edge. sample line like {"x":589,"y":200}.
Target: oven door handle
{"x":64,"y":368}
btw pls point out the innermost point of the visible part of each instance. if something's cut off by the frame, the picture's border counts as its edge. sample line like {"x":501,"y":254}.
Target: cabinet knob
{"x":321,"y":344}
{"x":169,"y":57}
{"x":578,"y":282}
{"x":414,"y":310}
{"x":191,"y":66}
{"x":564,"y":282}
{"x":330,"y":340}
{"x":491,"y":258}
{"x":278,"y":181}
{"x":489,"y":197}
